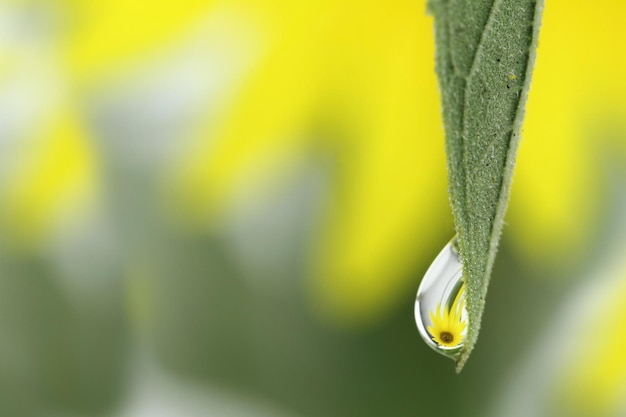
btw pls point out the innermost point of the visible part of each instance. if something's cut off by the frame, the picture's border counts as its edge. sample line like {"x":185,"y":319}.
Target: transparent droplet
{"x":440,"y":311}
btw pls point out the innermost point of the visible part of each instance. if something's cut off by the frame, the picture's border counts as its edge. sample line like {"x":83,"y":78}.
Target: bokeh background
{"x":224,"y":208}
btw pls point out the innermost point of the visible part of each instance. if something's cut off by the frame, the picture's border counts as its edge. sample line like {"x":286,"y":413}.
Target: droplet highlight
{"x":440,"y":312}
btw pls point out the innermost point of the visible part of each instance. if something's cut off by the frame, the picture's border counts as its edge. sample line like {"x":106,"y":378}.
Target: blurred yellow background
{"x":225,"y":208}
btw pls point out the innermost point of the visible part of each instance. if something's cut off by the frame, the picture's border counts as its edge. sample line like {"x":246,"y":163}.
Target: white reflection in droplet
{"x":440,"y":312}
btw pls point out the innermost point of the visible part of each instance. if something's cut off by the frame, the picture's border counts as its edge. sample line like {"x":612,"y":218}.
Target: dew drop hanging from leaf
{"x":440,"y":312}
{"x":483,"y":49}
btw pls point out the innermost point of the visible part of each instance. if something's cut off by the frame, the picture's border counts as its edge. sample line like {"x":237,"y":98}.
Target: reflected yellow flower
{"x":448,"y":328}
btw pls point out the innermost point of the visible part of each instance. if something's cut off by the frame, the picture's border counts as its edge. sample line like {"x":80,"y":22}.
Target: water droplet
{"x":440,"y":311}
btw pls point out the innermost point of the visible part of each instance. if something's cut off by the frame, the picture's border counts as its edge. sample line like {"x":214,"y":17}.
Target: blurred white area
{"x":63,"y":134}
{"x":32,"y":85}
{"x":155,"y":393}
{"x":266,"y":229}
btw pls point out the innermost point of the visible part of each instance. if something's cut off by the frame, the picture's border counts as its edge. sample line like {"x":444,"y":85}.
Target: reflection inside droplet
{"x":440,"y":311}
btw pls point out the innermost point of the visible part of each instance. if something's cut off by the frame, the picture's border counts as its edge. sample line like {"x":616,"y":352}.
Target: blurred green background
{"x":225,"y":208}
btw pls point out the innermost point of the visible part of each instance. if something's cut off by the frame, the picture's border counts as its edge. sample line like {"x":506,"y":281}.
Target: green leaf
{"x":485,"y":54}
